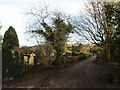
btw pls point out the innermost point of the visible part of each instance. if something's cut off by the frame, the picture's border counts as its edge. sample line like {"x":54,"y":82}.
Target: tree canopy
{"x":0,"y":39}
{"x":100,"y":24}
{"x":56,"y":34}
{"x":10,"y":40}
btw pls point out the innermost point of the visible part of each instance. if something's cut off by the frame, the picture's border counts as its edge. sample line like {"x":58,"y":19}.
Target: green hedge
{"x":12,"y":63}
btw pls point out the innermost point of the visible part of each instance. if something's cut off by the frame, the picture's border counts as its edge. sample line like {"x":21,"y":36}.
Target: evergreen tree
{"x":0,"y":39}
{"x":10,"y":40}
{"x":9,"y":59}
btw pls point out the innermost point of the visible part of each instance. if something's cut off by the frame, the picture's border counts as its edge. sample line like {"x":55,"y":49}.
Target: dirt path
{"x":85,"y":74}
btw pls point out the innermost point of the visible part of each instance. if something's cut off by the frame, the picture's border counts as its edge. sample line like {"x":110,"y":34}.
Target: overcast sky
{"x":13,"y":14}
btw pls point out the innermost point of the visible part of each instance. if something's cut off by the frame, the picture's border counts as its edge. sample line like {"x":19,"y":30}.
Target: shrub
{"x":11,"y":63}
{"x":64,"y":61}
{"x":68,"y":54}
{"x":72,"y":61}
{"x":82,"y":56}
{"x":55,"y":63}
{"x":74,"y":54}
{"x":118,"y":60}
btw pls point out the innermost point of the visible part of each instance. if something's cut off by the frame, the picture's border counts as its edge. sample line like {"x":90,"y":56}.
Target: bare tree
{"x":97,"y":25}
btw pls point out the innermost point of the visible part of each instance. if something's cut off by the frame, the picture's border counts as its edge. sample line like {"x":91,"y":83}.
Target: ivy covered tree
{"x":56,"y":34}
{"x":10,"y":40}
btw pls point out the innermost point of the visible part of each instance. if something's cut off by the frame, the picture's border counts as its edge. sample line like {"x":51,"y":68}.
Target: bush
{"x":89,"y":54}
{"x":118,"y":60}
{"x":11,"y":63}
{"x":72,"y":61}
{"x":68,"y":54}
{"x":63,"y":62}
{"x":84,"y":56}
{"x":55,"y":63}
{"x":74,"y":54}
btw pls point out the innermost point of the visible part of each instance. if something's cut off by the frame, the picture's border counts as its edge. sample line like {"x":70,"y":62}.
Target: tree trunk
{"x":58,"y":54}
{"x":107,"y":52}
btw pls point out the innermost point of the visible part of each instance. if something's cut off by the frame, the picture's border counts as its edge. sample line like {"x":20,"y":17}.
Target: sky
{"x":13,"y":14}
